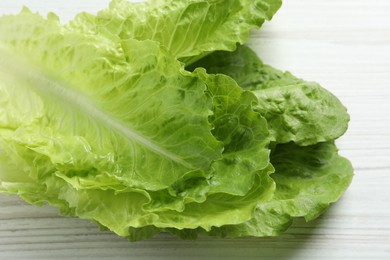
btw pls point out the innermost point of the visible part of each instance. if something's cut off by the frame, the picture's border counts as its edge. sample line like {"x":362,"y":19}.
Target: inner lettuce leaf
{"x":91,"y":158}
{"x":296,"y":110}
{"x":190,"y":29}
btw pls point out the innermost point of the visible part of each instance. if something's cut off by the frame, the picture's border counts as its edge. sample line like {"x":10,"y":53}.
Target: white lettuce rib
{"x":12,"y":69}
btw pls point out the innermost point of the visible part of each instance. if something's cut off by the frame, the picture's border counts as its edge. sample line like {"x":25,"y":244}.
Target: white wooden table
{"x":344,"y":45}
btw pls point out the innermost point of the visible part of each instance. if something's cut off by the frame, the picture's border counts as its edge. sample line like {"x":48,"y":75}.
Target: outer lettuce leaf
{"x":307,"y":180}
{"x":188,"y":28}
{"x":296,"y":110}
{"x":77,"y":149}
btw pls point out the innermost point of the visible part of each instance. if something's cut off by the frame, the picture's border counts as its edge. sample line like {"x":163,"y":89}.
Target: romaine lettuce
{"x":101,"y":119}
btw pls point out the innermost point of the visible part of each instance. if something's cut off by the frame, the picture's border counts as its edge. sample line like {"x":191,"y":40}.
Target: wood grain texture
{"x":345,"y":46}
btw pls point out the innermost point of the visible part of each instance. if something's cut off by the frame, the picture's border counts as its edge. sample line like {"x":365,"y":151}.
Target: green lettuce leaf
{"x":296,"y":110}
{"x":190,"y":29}
{"x":126,"y":168}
